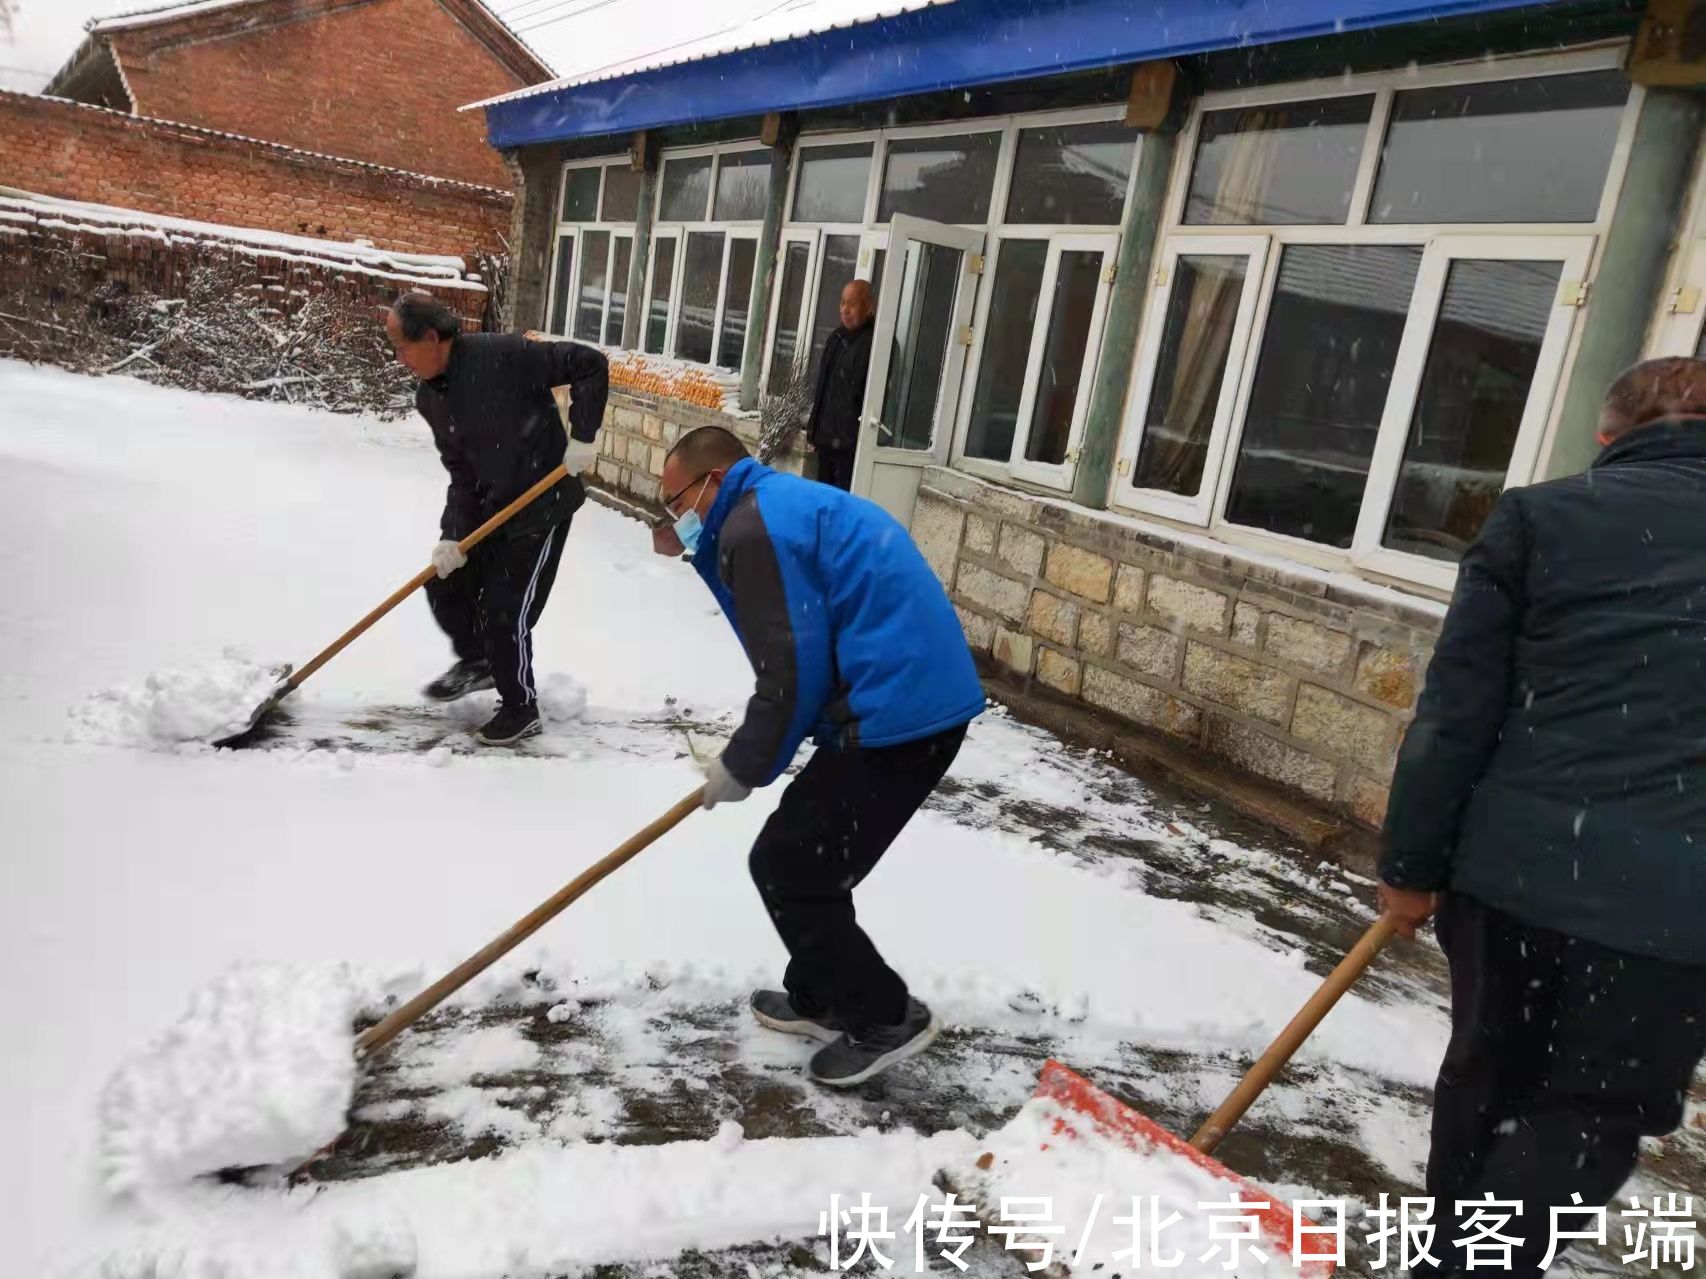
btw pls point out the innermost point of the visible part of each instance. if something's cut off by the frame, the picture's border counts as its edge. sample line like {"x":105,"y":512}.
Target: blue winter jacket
{"x":850,"y":634}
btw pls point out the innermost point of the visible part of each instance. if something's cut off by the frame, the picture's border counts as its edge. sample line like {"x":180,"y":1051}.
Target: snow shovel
{"x":1082,"y":1109}
{"x":290,"y":679}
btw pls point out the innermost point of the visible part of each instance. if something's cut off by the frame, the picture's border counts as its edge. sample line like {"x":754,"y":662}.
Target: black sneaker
{"x":510,"y":725}
{"x":460,"y":680}
{"x":774,"y":1009}
{"x":850,"y":1060}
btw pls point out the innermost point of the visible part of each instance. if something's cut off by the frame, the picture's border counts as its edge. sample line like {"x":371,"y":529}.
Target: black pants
{"x":490,"y":605}
{"x":1563,"y":1055}
{"x":835,"y":821}
{"x":835,"y":467}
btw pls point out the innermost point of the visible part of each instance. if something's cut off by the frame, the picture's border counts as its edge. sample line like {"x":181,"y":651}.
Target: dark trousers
{"x":835,"y":821}
{"x":835,"y":467}
{"x":1563,"y":1054}
{"x":490,"y":605}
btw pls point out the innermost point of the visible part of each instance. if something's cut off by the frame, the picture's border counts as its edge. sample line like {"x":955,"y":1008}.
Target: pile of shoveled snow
{"x":210,"y":701}
{"x":260,"y":1070}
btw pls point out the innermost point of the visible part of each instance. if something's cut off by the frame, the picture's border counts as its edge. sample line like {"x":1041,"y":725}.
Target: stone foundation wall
{"x":639,"y":431}
{"x":1307,"y":680}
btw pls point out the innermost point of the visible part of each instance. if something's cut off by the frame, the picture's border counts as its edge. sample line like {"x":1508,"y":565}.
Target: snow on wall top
{"x":438,"y":270}
{"x":791,"y":20}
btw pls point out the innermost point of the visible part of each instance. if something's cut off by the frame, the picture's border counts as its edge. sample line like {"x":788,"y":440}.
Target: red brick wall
{"x":379,"y":81}
{"x":87,"y":153}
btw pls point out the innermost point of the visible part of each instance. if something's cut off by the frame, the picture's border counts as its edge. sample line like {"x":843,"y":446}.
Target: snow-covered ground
{"x":1045,"y":903}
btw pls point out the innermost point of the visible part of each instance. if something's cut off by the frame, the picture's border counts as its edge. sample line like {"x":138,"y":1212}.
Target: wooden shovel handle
{"x":376,"y":1037}
{"x":421,"y":578}
{"x":1261,"y":1074}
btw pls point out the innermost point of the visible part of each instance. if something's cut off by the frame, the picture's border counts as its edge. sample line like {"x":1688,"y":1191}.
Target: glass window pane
{"x":1332,"y":336}
{"x":700,"y":275}
{"x":595,"y":266}
{"x":1284,"y":164}
{"x":1190,"y":368}
{"x":663,"y":279}
{"x":618,"y":291}
{"x":743,"y":186}
{"x":686,"y":190}
{"x":840,"y":260}
{"x":1700,"y":348}
{"x":785,"y":348}
{"x":621,"y":193}
{"x":1062,"y":372}
{"x":737,"y":298}
{"x":564,"y":278}
{"x":1474,"y":390}
{"x":832,"y":184}
{"x":580,"y":195}
{"x":944,"y":179}
{"x":1076,"y":175}
{"x":1017,"y":285}
{"x":1539,"y":150}
{"x":923,"y":330}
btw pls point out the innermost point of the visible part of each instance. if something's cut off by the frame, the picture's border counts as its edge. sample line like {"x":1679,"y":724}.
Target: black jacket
{"x":497,"y":429}
{"x":1556,"y":768}
{"x":839,"y":401}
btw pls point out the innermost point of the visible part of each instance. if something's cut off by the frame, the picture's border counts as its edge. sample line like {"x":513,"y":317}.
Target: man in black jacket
{"x":492,"y":403}
{"x":1550,"y":805}
{"x":839,"y":401}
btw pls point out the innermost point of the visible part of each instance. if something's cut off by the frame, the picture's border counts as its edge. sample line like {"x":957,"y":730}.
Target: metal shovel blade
{"x":282,"y":687}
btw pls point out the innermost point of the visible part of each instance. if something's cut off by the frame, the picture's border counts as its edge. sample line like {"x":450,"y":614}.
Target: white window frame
{"x":658,"y":236}
{"x":1539,"y":421}
{"x":744,"y":229}
{"x":613,"y":234}
{"x":574,"y":230}
{"x":812,"y":238}
{"x":1676,"y":329}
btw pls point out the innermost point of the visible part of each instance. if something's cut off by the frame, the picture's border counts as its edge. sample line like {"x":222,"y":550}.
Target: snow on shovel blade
{"x":1091,"y":1157}
{"x":280,"y":690}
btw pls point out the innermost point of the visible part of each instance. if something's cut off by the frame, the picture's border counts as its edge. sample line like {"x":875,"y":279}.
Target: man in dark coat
{"x":492,"y":401}
{"x":839,"y":401}
{"x":1550,"y":806}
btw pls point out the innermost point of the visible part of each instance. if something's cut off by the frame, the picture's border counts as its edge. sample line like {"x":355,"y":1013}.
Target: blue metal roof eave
{"x":955,"y":46}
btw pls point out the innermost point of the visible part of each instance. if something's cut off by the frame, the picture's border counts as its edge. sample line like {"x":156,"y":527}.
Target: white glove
{"x":721,"y":786}
{"x":447,"y":557}
{"x":580,"y":455}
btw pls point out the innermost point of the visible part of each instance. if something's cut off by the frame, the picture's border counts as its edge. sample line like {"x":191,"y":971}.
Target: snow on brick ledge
{"x":715,"y":389}
{"x":360,"y":257}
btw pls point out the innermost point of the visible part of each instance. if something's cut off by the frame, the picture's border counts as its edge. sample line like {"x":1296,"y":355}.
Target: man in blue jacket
{"x":852,"y":640}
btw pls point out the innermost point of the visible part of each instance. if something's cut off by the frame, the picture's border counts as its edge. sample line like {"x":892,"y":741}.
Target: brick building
{"x":373,"y":80}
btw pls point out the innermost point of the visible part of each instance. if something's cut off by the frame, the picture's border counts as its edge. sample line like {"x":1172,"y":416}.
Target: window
{"x":1073,"y":175}
{"x":832,"y":183}
{"x":704,"y":255}
{"x":945,"y":179}
{"x":594,"y":251}
{"x":792,"y":278}
{"x":1326,"y":358}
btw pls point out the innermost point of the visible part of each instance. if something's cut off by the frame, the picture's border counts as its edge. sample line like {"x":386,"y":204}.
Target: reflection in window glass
{"x":595,"y":266}
{"x":737,"y":298}
{"x":1196,"y":339}
{"x":618,"y":291}
{"x":785,"y":348}
{"x":1539,"y":150}
{"x":1332,"y":335}
{"x":840,"y":260}
{"x":1062,"y":372}
{"x":686,"y":190}
{"x":1474,"y":391}
{"x":743,"y":186}
{"x":565,"y":277}
{"x":657,"y":309}
{"x":580,"y":195}
{"x":1284,"y":164}
{"x":1075,"y":175}
{"x":832,"y":183}
{"x":945,"y":179}
{"x":1017,"y":285}
{"x":621,"y":193}
{"x":922,"y":333}
{"x":700,"y":274}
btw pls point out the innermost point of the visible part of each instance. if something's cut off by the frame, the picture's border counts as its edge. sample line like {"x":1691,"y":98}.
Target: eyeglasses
{"x":669,"y":502}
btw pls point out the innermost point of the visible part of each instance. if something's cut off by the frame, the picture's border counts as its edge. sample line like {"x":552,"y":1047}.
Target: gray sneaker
{"x":774,"y":1009}
{"x":850,"y":1060}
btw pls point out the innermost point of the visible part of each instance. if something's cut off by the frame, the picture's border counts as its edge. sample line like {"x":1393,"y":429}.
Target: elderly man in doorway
{"x":840,"y":396}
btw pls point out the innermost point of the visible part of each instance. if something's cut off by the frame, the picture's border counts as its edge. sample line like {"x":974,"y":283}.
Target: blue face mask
{"x":688,"y":526}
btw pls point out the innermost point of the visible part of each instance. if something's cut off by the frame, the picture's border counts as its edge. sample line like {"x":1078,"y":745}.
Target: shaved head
{"x":857,"y":303}
{"x":1670,"y":387}
{"x":707,"y":448}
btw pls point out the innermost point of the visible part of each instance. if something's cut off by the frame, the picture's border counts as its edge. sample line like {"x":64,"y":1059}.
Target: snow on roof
{"x":158,"y":13}
{"x":789,"y":20}
{"x":439,"y":270}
